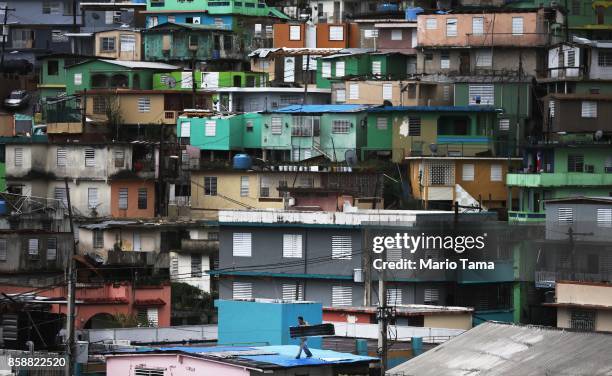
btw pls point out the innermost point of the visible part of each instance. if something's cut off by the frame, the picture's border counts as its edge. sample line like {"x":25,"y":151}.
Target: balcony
{"x":560,"y":179}
{"x":453,"y":146}
{"x":203,"y":246}
{"x":526,"y":217}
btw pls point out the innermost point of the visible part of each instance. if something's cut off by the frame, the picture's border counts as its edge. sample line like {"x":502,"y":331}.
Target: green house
{"x":243,"y":7}
{"x":53,"y":73}
{"x":112,"y":74}
{"x":212,"y":132}
{"x":355,"y":63}
{"x":208,"y":80}
{"x":557,"y":171}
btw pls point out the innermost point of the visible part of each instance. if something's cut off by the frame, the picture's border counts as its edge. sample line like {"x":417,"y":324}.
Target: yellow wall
{"x":603,"y":319}
{"x":578,"y":293}
{"x":117,"y":53}
{"x":371,"y":92}
{"x":402,"y":142}
{"x":450,"y":321}
{"x":128,"y":107}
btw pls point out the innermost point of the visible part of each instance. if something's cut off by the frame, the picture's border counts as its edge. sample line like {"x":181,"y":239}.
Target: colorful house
{"x":53,"y":73}
{"x":208,"y":80}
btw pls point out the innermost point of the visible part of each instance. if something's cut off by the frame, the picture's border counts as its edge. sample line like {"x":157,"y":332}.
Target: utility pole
{"x":84,"y":110}
{"x":306,"y":74}
{"x":70,"y":314}
{"x":382,"y":318}
{"x":193,"y":81}
{"x":160,"y":178}
{"x":4,"y":33}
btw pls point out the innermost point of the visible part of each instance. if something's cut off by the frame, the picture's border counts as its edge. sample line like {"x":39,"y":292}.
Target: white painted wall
{"x":184,"y":271}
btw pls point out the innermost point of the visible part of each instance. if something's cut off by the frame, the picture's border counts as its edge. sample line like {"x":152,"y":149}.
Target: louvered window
{"x":242,"y":290}
{"x":478,"y":25}
{"x":61,"y":157}
{"x":387,"y":92}
{"x":92,"y":198}
{"x":431,"y":24}
{"x":174,"y":266}
{"x":341,"y":95}
{"x":3,"y":251}
{"x":51,"y":249}
{"x":18,"y":157}
{"x":210,"y":129}
{"x":342,"y":247}
{"x":342,"y":296}
{"x":196,"y":265}
{"x":376,"y":68}
{"x":565,"y":215}
{"x":186,"y":129}
{"x":244,"y":186}
{"x":119,"y":158}
{"x":589,"y":109}
{"x":293,"y":291}
{"x":60,"y":195}
{"x":241,"y":244}
{"x":123,"y":198}
{"x":340,"y":69}
{"x":90,"y":157}
{"x":432,"y":296}
{"x":394,"y":296}
{"x":326,"y":69}
{"x":551,"y":108}
{"x":481,"y":94}
{"x":504,"y":124}
{"x":98,"y":238}
{"x":604,"y":217}
{"x":277,"y":125}
{"x":144,"y":104}
{"x":143,"y":194}
{"x":150,"y":371}
{"x":496,"y":172}
{"x":381,"y":123}
{"x":149,"y":315}
{"x":414,"y":126}
{"x":33,"y":247}
{"x":353,"y":91}
{"x":292,"y":246}
{"x":451,"y":27}
{"x":468,"y":172}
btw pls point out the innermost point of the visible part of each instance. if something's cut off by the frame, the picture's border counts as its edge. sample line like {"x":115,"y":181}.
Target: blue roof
{"x":473,"y":108}
{"x":281,"y":356}
{"x":322,"y":108}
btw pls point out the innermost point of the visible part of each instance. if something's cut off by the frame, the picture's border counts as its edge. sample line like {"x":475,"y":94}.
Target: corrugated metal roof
{"x":433,"y":109}
{"x":322,"y":108}
{"x":496,"y":349}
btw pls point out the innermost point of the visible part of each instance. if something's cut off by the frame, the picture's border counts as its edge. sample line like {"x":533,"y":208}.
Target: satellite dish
{"x":433,"y":148}
{"x":598,"y":135}
{"x":171,"y":82}
{"x":350,"y":157}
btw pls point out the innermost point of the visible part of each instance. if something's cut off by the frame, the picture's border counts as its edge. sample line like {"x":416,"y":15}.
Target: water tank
{"x":242,"y":162}
{"x":3,"y":207}
{"x":412,"y":13}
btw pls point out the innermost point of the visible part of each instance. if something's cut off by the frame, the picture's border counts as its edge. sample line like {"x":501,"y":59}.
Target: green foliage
{"x":188,"y":299}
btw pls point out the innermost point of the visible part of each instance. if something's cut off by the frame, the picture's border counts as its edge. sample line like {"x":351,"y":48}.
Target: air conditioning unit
{"x":196,"y":20}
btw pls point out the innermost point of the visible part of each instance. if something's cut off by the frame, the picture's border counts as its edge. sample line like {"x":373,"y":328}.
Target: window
{"x":22,"y":38}
{"x":228,"y":42}
{"x":394,"y":296}
{"x":376,"y":68}
{"x":210,"y":128}
{"x":468,"y":172}
{"x":277,"y":125}
{"x":551,"y":108}
{"x":353,"y":91}
{"x":97,"y":238}
{"x":396,"y":34}
{"x":340,"y":126}
{"x":342,"y":247}
{"x":604,"y":58}
{"x":565,"y":215}
{"x":451,"y":27}
{"x":186,"y":129}
{"x":244,"y":186}
{"x":428,"y":56}
{"x":414,"y":126}
{"x":196,"y":265}
{"x":123,"y":198}
{"x":431,"y":296}
{"x":394,"y":254}
{"x":18,"y":157}
{"x":444,"y":60}
{"x":119,"y":156}
{"x":61,"y":157}
{"x":504,"y":124}
{"x":582,"y":319}
{"x":342,"y":296}
{"x":431,"y":24}
{"x":242,"y":290}
{"x":336,"y":33}
{"x":52,"y":67}
{"x":292,"y":246}
{"x":340,"y":95}
{"x":33,"y":247}
{"x":151,"y":317}
{"x":144,"y":104}
{"x":51,"y":249}
{"x":575,"y":163}
{"x":571,"y":58}
{"x":241,"y":244}
{"x":589,"y":109}
{"x":340,"y":69}
{"x":3,"y":251}
{"x":249,"y":126}
{"x":128,"y":42}
{"x":496,"y":172}
{"x":58,"y":36}
{"x":264,"y":183}
{"x":326,"y":69}
{"x":484,"y":58}
{"x":381,"y":123}
{"x":446,"y":92}
{"x":604,"y":217}
{"x":99,"y":105}
{"x":78,"y":79}
{"x":92,"y":198}
{"x":210,"y":186}
{"x":107,"y":44}
{"x":387,"y":92}
{"x":576,"y":5}
{"x":289,"y":66}
{"x":90,"y":157}
{"x":295,"y":32}
{"x":481,"y":94}
{"x":51,"y":7}
{"x":60,"y":195}
{"x":293,"y":291}
{"x":142,"y":198}
{"x":213,"y":235}
{"x":477,"y":25}
{"x":517,"y":25}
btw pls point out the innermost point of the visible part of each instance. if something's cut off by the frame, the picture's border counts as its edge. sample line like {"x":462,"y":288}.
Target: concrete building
{"x":583,"y":306}
{"x":120,"y":44}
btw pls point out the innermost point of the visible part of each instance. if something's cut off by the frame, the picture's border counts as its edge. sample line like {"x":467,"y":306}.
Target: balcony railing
{"x":559,"y":179}
{"x":548,"y":279}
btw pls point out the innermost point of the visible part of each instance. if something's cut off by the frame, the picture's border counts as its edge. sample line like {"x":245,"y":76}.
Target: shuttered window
{"x":97,"y":238}
{"x":341,"y":95}
{"x":92,"y":198}
{"x":51,"y":249}
{"x":3,"y":251}
{"x":432,"y":296}
{"x":342,"y":296}
{"x":336,"y":33}
{"x":174,"y":266}
{"x":144,"y":104}
{"x":604,"y":217}
{"x":293,"y":291}
{"x":496,"y":172}
{"x":565,"y":215}
{"x":90,"y":157}
{"x":196,"y":265}
{"x":394,"y":296}
{"x":444,"y":60}
{"x":292,"y":246}
{"x":152,"y":316}
{"x":481,"y":94}
{"x":353,"y":91}
{"x":551,"y":108}
{"x":143,"y":194}
{"x":340,"y":69}
{"x":381,"y":123}
{"x":517,"y":25}
{"x":210,"y":186}
{"x":242,"y":290}
{"x":33,"y":247}
{"x":326,"y":69}
{"x":394,"y":254}
{"x":451,"y":27}
{"x":61,"y":157}
{"x":376,"y":68}
{"x":504,"y":124}
{"x":241,"y":244}
{"x":210,"y":129}
{"x":186,"y":129}
{"x":589,"y":109}
{"x":414,"y":126}
{"x":244,"y":186}
{"x":468,"y":172}
{"x":119,"y":158}
{"x":149,"y":371}
{"x":478,"y":25}
{"x":387,"y":92}
{"x":123,"y":198}
{"x":342,"y":247}
{"x":18,"y":157}
{"x":484,"y":58}
{"x":60,"y":195}
{"x":431,"y":24}
{"x":277,"y":125}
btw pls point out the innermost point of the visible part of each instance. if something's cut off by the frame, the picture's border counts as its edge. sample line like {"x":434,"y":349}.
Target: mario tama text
{"x":389,"y":251}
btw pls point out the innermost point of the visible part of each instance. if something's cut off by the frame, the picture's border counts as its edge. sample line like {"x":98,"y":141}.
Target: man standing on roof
{"x":303,"y":340}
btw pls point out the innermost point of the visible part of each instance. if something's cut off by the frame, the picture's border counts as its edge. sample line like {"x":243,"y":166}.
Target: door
{"x":464,"y":63}
{"x":137,"y":242}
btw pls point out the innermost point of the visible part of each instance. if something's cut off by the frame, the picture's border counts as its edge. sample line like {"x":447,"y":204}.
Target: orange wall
{"x":482,"y":184}
{"x":132,"y":211}
{"x":362,"y":318}
{"x":281,"y":36}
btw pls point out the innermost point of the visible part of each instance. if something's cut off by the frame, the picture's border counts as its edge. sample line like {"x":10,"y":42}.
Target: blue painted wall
{"x":205,"y":19}
{"x":258,"y":323}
